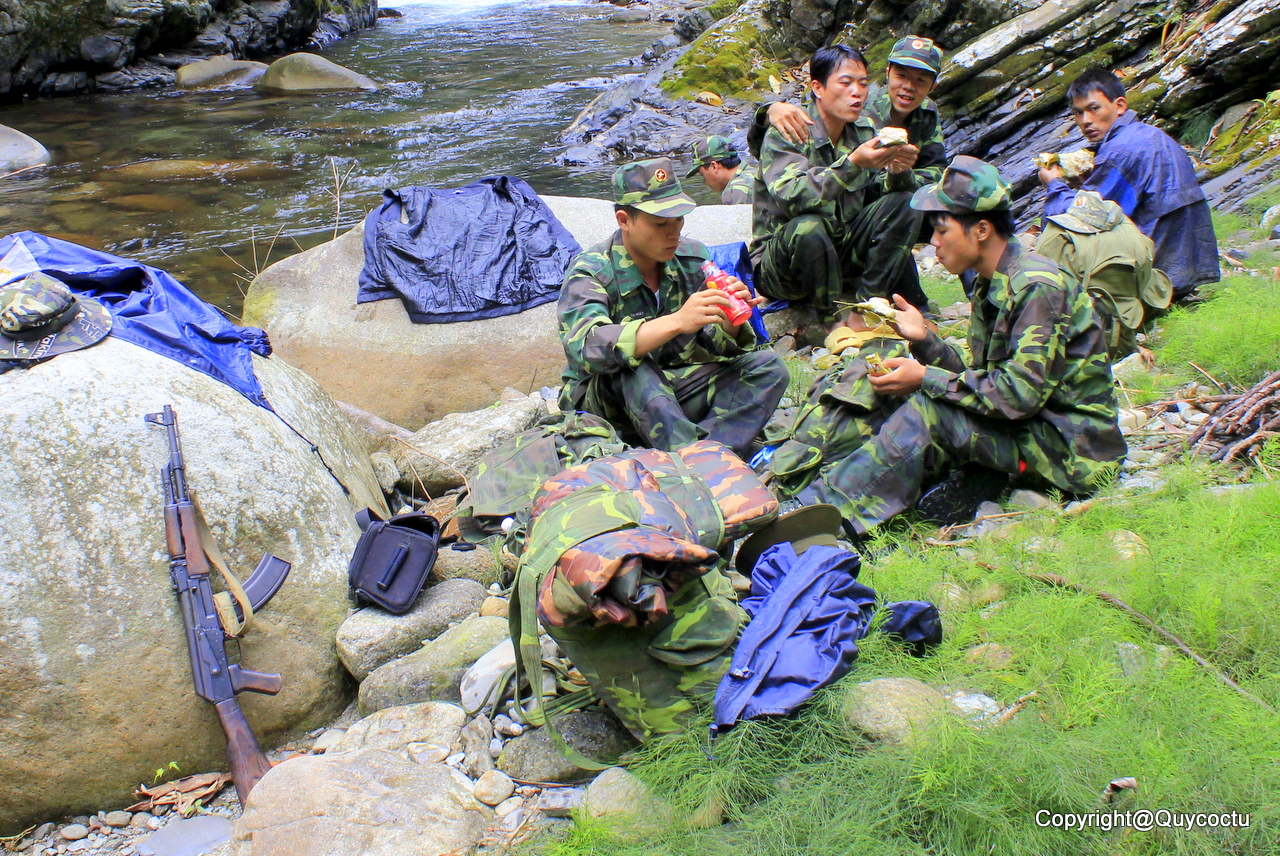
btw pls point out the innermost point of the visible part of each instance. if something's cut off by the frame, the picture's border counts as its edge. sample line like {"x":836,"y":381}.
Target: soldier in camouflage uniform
{"x":718,"y":162}
{"x":648,"y":345}
{"x":1032,"y":398}
{"x":832,"y":215}
{"x":914,"y":63}
{"x":41,"y":317}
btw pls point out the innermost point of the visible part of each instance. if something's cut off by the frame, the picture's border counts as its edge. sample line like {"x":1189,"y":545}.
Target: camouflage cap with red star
{"x":653,"y":187}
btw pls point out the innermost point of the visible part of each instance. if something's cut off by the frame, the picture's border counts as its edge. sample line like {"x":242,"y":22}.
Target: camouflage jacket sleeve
{"x":799,"y":186}
{"x":940,"y":352}
{"x":926,"y":132}
{"x":758,"y":128}
{"x":588,"y":330}
{"x":1012,"y":381}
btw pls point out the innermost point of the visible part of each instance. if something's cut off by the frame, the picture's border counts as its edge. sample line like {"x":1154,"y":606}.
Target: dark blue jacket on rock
{"x":490,"y":248}
{"x":807,"y":615}
{"x":1151,"y":177}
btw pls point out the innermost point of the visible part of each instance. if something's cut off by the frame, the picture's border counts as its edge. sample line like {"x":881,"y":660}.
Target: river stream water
{"x":214,"y":185}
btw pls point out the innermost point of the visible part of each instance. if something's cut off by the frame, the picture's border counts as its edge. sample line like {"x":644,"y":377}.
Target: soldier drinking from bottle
{"x":649,"y":346}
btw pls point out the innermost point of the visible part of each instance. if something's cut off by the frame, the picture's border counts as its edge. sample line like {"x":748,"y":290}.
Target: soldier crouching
{"x":1031,"y":396}
{"x":649,"y":346}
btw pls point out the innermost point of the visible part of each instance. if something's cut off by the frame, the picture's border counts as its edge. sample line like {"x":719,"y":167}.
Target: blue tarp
{"x":149,"y":308}
{"x":807,"y":615}
{"x":490,"y":248}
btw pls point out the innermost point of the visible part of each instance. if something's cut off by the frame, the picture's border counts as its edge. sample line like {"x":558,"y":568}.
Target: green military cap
{"x":1089,"y":214}
{"x":968,"y":186}
{"x":917,"y":52}
{"x":41,"y":317}
{"x":653,"y":187}
{"x":710,"y":150}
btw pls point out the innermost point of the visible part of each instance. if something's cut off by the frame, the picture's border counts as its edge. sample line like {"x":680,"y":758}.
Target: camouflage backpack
{"x":502,"y":484}
{"x":1095,"y":242}
{"x":840,"y":412}
{"x":622,"y":569}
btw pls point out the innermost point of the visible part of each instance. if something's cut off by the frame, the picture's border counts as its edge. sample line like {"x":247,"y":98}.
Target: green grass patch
{"x":1235,"y":335}
{"x":1109,"y":702}
{"x":944,"y":290}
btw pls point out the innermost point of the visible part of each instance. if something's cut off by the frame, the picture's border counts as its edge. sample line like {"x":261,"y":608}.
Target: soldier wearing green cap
{"x":648,"y":345}
{"x":832,"y":212}
{"x":1031,"y":397}
{"x":718,"y":163}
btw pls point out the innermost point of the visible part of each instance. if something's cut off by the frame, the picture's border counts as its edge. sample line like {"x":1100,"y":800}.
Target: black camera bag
{"x":393,"y":559}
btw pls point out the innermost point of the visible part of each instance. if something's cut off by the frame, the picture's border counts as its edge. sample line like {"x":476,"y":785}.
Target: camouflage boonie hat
{"x":968,"y":186}
{"x":653,"y":187}
{"x":1089,"y":214}
{"x":708,"y":151}
{"x":917,"y":52}
{"x":41,"y":317}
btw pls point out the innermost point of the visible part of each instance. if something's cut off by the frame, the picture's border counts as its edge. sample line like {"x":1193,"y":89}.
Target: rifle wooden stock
{"x":248,"y":763}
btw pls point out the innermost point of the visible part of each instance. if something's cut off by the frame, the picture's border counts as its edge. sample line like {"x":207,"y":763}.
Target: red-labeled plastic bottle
{"x":738,"y":310}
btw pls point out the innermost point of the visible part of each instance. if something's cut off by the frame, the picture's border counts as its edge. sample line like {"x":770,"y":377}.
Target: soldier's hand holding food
{"x":904,"y":158}
{"x":872,"y":155}
{"x":908,"y":321}
{"x":904,"y":378}
{"x":1048,"y":174}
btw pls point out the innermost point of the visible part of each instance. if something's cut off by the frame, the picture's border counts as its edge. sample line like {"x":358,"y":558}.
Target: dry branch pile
{"x":1240,"y":425}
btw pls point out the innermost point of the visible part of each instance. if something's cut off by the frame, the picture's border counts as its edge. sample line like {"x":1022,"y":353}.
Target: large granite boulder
{"x":94,"y":670}
{"x":219,"y":71}
{"x":304,"y":72}
{"x":18,"y":151}
{"x":374,"y":357}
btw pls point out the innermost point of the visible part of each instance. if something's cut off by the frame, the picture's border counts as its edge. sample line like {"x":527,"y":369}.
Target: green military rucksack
{"x":622,"y":568}
{"x":1095,"y":242}
{"x":503,"y":483}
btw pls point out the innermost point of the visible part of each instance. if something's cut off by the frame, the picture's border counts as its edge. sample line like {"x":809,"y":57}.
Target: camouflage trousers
{"x":667,"y":408}
{"x":926,"y":438}
{"x":809,"y":262}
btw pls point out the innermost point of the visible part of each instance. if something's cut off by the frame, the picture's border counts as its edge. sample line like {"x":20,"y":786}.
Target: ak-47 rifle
{"x":216,"y":680}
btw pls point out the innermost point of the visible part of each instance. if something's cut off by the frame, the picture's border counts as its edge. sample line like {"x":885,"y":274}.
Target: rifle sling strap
{"x":232,"y":623}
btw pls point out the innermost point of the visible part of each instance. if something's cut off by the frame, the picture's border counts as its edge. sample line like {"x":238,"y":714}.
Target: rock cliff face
{"x":56,"y":47}
{"x":1186,"y":65}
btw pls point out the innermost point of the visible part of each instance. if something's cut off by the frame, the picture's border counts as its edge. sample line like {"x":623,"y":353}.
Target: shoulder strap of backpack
{"x":571,"y":520}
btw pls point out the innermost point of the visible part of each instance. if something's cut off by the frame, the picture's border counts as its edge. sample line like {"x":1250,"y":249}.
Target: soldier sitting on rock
{"x":718,"y":162}
{"x":1144,"y":171}
{"x":649,"y":346}
{"x":1031,"y":396}
{"x":832,"y":213}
